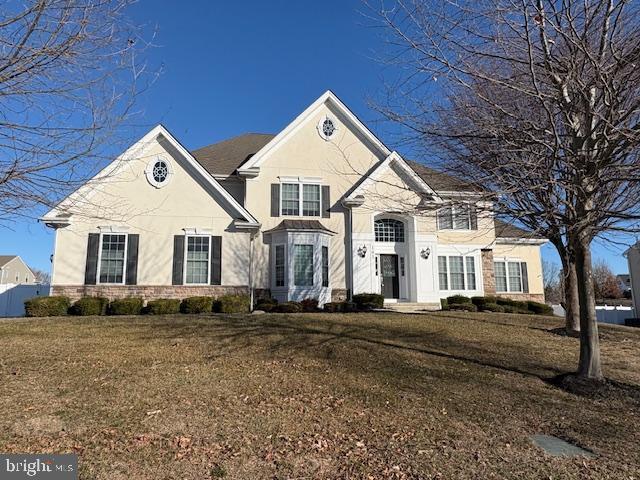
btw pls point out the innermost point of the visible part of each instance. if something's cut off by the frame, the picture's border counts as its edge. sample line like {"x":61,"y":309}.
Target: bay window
{"x":303,"y":265}
{"x":457,"y":272}
{"x":325,"y":266}
{"x":279,"y":265}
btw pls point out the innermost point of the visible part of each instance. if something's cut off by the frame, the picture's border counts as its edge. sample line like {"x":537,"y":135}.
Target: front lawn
{"x":445,"y":395}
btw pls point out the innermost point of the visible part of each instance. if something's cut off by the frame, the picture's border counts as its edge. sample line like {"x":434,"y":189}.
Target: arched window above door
{"x":389,"y":230}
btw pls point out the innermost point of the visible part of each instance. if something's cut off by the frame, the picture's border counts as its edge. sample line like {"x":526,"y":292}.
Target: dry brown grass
{"x":444,"y":395}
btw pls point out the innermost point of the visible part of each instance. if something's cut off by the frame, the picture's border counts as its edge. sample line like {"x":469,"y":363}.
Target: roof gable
{"x":332,"y":101}
{"x":157,"y":134}
{"x":4,"y":259}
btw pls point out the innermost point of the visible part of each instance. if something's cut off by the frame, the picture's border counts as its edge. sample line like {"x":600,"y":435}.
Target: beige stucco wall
{"x":524,"y":253}
{"x":339,"y":163}
{"x":16,"y":271}
{"x":127,"y":199}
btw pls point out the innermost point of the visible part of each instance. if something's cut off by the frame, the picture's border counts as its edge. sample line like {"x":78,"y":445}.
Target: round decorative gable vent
{"x":159,"y":172}
{"x":327,"y":127}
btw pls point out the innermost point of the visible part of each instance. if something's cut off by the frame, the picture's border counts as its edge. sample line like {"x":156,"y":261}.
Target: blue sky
{"x":235,"y":67}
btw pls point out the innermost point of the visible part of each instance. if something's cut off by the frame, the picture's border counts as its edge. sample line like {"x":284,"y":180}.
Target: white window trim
{"x":453,"y":219}
{"x":301,"y":182}
{"x":148,"y":171}
{"x":186,"y":247}
{"x":506,"y":262}
{"x":124,"y":266}
{"x":464,"y":273}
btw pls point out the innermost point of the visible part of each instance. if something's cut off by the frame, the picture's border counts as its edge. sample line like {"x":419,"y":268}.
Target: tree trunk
{"x":589,"y":365}
{"x":571,"y":299}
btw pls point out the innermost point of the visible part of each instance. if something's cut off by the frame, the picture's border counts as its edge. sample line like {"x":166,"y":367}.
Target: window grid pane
{"x":515,"y":279}
{"x":500,"y":275}
{"x":456,"y":267}
{"x":471,"y":273}
{"x":290,"y":199}
{"x":389,"y":230}
{"x":445,"y":219}
{"x":197,"y":260}
{"x":461,"y":219}
{"x":112,"y":258}
{"x":325,"y":266}
{"x":442,"y":273}
{"x":303,"y":265}
{"x":279,"y":265}
{"x":311,"y":200}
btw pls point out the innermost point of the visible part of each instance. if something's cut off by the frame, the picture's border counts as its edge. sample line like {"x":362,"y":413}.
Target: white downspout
{"x":350,"y":256}
{"x":251,"y":237}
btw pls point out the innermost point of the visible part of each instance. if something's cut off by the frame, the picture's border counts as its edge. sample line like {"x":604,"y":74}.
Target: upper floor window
{"x":389,"y":230}
{"x":455,"y":218}
{"x":300,"y":197}
{"x":112,"y":258}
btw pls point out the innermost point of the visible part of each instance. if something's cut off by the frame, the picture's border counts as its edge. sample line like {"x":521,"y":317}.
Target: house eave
{"x":520,"y":241}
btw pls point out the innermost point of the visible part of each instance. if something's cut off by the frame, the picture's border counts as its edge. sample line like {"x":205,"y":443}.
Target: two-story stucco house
{"x":322,"y":209}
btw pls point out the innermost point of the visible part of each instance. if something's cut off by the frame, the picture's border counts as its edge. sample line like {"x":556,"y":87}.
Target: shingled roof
{"x":441,"y":181}
{"x":508,"y":230}
{"x":294,"y":224}
{"x":223,"y":158}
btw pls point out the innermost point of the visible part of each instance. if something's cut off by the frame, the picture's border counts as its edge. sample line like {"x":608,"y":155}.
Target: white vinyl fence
{"x":614,"y":313}
{"x":12,"y":297}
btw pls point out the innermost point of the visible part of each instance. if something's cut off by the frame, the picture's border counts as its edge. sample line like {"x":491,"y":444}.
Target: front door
{"x":390,"y":284}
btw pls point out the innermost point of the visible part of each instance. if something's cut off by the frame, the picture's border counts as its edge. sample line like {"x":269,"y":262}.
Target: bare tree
{"x":69,"y":76}
{"x":551,"y":273}
{"x":606,"y":284}
{"x":41,"y":276}
{"x":539,"y":101}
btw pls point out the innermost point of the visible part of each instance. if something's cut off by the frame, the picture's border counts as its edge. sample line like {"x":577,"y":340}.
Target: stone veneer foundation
{"x":147,"y":292}
{"x":536,"y":297}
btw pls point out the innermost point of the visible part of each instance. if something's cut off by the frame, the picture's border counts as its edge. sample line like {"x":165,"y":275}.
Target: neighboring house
{"x":633,"y":259}
{"x":319,"y":210}
{"x":14,"y":270}
{"x":624,"y":280}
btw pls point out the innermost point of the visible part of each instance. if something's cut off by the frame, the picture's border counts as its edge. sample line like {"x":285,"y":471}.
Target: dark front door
{"x":390,"y":284}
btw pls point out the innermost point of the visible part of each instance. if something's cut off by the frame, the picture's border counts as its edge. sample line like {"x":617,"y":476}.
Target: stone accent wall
{"x":488,"y":276}
{"x":523,"y":297}
{"x":147,"y":292}
{"x":339,"y":295}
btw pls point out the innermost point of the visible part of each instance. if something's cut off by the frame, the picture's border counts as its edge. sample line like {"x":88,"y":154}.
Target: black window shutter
{"x":326,"y":201}
{"x":178,"y":260}
{"x":525,"y":277}
{"x":91,"y":267}
{"x":133,"y":241}
{"x":474,"y":217}
{"x":275,"y":199}
{"x":216,"y":260}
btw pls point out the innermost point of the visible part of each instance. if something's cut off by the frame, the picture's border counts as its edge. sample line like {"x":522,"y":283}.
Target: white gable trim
{"x":328,"y":97}
{"x":138,"y":148}
{"x":394,"y":160}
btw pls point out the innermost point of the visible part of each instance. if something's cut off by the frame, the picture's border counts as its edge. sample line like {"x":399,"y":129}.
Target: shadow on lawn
{"x":281,"y":334}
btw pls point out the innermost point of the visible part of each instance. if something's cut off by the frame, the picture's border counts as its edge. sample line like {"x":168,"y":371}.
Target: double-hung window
{"x":303,"y":265}
{"x":456,"y":273}
{"x":455,"y":218}
{"x":280,"y":265}
{"x":197,"y":260}
{"x":300,"y":198}
{"x":325,"y":266}
{"x":112,"y":258}
{"x":510,"y":276}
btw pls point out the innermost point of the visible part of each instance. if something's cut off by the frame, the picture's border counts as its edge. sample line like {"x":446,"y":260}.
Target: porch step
{"x":406,"y":307}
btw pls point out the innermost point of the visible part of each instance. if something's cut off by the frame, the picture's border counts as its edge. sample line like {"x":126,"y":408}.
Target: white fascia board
{"x":85,"y":192}
{"x":328,"y":97}
{"x":394,"y":159}
{"x":520,"y":241}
